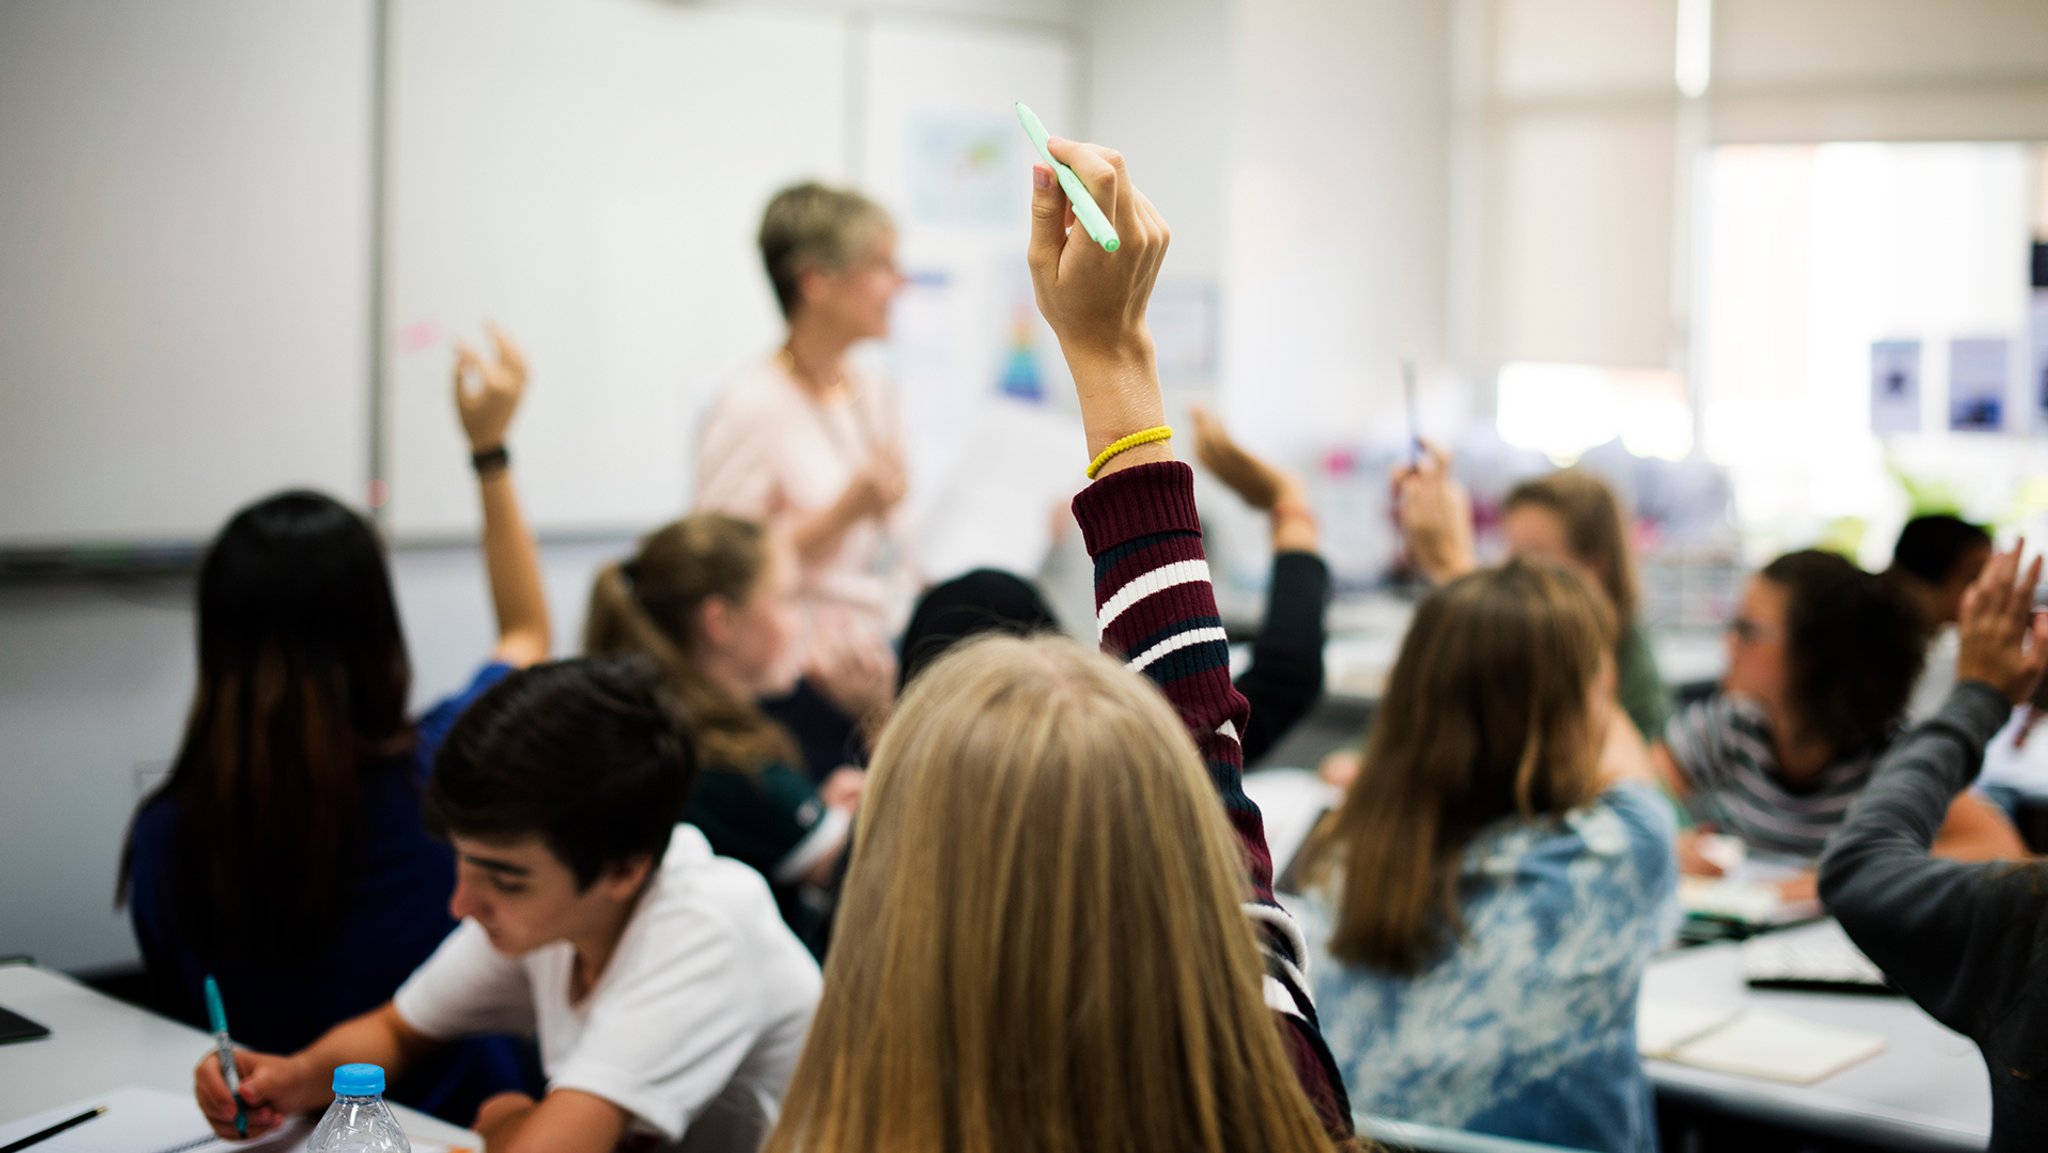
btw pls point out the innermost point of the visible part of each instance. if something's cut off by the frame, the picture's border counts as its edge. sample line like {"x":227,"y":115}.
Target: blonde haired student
{"x":712,"y":599}
{"x":1051,"y":936}
{"x":808,"y":444}
{"x":1486,"y":899}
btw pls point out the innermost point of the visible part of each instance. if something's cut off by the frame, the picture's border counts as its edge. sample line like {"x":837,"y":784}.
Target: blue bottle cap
{"x":359,"y":1081}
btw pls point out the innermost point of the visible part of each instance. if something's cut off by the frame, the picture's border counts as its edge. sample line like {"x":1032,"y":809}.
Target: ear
{"x":714,"y":621}
{"x":622,"y":881}
{"x":811,"y":283}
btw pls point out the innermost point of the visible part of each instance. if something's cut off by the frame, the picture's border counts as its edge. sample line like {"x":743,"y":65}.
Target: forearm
{"x":820,"y":534}
{"x":565,"y":1121}
{"x":379,"y":1037}
{"x":1285,"y":677}
{"x":513,"y":561}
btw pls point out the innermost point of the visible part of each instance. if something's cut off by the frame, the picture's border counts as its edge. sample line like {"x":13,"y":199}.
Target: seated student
{"x":668,"y":997}
{"x":1934,"y":561}
{"x":1285,"y":676}
{"x":288,"y":832}
{"x":1498,"y":876}
{"x":1570,"y":518}
{"x":1821,"y":658}
{"x":1965,"y":941}
{"x":712,"y":599}
{"x":1043,"y":941}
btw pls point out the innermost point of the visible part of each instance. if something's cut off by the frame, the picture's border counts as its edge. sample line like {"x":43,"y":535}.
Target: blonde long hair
{"x":648,"y":605}
{"x":1488,"y":715}
{"x":1041,"y":942}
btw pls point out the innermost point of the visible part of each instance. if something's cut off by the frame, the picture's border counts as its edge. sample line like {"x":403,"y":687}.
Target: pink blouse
{"x":771,"y":451}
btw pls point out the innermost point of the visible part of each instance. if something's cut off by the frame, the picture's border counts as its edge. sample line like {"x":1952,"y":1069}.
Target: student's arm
{"x":487,"y":395}
{"x":1285,"y":678}
{"x":275,"y":1088}
{"x":1975,"y":830}
{"x":1155,"y":603}
{"x":565,"y":1121}
{"x":1957,"y":938}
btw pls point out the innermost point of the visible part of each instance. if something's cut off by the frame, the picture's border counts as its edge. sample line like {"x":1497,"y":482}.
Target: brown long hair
{"x":649,"y":605}
{"x":1041,"y":944}
{"x":1596,"y":528}
{"x":1488,"y":715}
{"x":303,"y":678}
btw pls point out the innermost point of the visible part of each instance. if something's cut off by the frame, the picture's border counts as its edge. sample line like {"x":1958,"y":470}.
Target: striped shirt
{"x":1723,"y":750}
{"x":1157,"y":611}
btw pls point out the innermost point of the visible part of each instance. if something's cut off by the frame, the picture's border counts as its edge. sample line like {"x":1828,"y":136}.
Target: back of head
{"x":303,"y":675}
{"x":982,"y":601}
{"x":1595,"y":527}
{"x":1488,"y":715}
{"x":585,"y":754}
{"x":1933,"y":547}
{"x":648,"y":606}
{"x":812,"y":225}
{"x":1854,"y":647}
{"x":1041,"y":944}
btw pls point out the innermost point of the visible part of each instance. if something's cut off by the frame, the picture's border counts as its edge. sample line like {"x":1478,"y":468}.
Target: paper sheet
{"x":1661,"y":1028}
{"x":140,"y":1120}
{"x":1760,"y":1043}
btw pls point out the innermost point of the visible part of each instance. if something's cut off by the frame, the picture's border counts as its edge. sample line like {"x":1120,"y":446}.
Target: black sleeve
{"x":1286,"y":674}
{"x":1955,"y":937}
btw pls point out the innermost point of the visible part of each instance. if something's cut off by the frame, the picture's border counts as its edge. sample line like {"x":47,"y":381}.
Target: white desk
{"x":1927,"y":1090}
{"x":97,"y":1043}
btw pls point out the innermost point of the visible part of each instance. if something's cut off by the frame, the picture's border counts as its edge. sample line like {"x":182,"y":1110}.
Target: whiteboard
{"x":590,"y":175}
{"x":185,"y":262}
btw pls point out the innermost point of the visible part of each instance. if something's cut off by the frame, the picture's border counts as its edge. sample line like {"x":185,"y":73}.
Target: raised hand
{"x":1435,"y":516}
{"x":487,"y":393}
{"x":1095,"y":300}
{"x":2002,"y":643}
{"x":1256,"y":482}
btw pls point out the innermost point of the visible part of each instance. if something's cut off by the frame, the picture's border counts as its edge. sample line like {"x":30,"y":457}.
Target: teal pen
{"x":1086,"y":211}
{"x":217,"y":1016}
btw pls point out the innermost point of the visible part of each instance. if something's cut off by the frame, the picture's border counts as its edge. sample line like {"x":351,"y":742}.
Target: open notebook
{"x":1751,"y":1042}
{"x":140,"y":1120}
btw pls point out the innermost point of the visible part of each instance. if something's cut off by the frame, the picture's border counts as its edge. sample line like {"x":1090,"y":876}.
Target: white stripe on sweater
{"x":1175,"y":643}
{"x":1148,"y":582}
{"x":1228,"y":729}
{"x":1280,"y":998}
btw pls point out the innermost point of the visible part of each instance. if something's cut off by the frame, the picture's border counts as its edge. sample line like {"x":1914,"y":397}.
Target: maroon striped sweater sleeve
{"x":1157,"y":612}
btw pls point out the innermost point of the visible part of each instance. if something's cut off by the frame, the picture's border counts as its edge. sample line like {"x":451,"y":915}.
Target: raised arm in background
{"x":487,"y":394}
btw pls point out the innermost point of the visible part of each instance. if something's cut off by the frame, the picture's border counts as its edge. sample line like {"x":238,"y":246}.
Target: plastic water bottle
{"x":359,"y":1121}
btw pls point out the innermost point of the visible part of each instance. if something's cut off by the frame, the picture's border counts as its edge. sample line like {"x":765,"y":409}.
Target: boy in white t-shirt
{"x":669,"y":998}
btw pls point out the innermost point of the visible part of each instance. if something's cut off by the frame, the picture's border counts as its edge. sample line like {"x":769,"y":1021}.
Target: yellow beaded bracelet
{"x":1125,"y":444}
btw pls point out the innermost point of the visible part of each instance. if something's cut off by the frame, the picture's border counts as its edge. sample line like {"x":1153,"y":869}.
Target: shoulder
{"x":1634,"y":818}
{"x":705,"y":901}
{"x":759,"y":392}
{"x":434,"y":724}
{"x":1701,"y":735}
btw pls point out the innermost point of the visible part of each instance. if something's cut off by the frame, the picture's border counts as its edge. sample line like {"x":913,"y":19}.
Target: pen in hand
{"x":217,"y":1016}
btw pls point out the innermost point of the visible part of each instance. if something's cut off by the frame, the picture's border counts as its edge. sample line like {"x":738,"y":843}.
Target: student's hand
{"x":1435,"y":516}
{"x":1340,"y":768}
{"x":499,"y":1108}
{"x":1255,"y":482}
{"x":273,"y":1089}
{"x":855,"y":672}
{"x":487,"y":393}
{"x":1692,"y":860}
{"x":1800,"y":889}
{"x":843,"y":789}
{"x":1095,"y":300}
{"x":2002,"y":643}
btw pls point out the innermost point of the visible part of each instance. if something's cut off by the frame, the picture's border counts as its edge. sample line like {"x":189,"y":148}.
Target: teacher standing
{"x":812,"y":447}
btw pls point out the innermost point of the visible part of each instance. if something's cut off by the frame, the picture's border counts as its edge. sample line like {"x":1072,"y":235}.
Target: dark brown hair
{"x":1488,"y":715}
{"x":303,"y":678}
{"x":1854,"y":647}
{"x":649,"y":605}
{"x":1595,"y":528}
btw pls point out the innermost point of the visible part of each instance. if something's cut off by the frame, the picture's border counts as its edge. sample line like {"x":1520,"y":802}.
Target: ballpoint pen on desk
{"x":52,"y":1131}
{"x":1086,"y":212}
{"x":217,"y":1017}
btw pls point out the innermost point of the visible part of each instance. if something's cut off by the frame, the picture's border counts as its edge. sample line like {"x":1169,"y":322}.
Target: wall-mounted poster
{"x":2037,"y":363}
{"x":1894,"y":386}
{"x":1977,"y":378}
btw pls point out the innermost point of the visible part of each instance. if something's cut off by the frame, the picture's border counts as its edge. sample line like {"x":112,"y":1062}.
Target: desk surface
{"x":98,"y":1043}
{"x":1927,"y":1090}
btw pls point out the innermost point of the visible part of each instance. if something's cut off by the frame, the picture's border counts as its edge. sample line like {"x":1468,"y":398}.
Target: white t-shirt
{"x":694,"y":1026}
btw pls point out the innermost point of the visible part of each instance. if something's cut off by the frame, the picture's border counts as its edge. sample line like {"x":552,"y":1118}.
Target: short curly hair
{"x":1854,"y":646}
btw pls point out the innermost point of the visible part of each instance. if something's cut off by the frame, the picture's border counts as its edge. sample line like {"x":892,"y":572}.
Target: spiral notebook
{"x":140,"y":1120}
